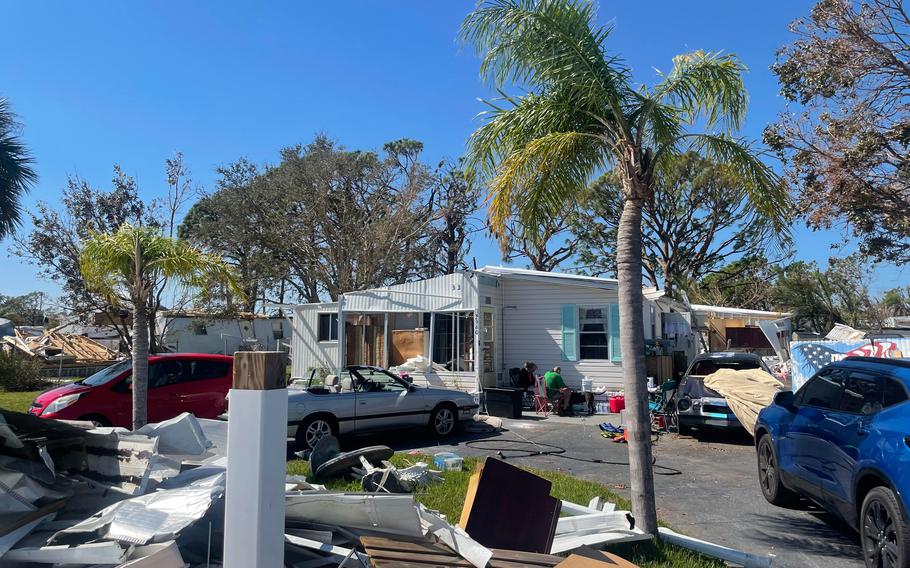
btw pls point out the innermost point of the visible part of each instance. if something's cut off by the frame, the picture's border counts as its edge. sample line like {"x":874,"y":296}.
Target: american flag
{"x":816,"y":356}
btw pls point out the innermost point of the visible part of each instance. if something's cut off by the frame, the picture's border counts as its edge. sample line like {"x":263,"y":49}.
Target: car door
{"x":204,"y":391}
{"x":167,"y":378}
{"x":801,"y":460}
{"x":384,"y":401}
{"x":841,"y":434}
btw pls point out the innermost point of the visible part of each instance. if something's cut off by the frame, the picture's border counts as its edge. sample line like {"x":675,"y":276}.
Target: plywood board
{"x":406,"y":343}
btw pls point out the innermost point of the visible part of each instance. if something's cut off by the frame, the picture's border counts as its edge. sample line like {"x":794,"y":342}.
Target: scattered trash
{"x":390,"y":479}
{"x":327,"y":460}
{"x":448,"y":461}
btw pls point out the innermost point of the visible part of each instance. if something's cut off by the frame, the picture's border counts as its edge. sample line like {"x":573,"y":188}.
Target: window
{"x":277,"y":329}
{"x":166,"y":373}
{"x":328,"y":327}
{"x":823,"y":390}
{"x":202,"y":370}
{"x":199,"y":328}
{"x":453,"y":341}
{"x":593,"y":333}
{"x":378,"y":381}
{"x":894,"y":393}
{"x":862,"y":394}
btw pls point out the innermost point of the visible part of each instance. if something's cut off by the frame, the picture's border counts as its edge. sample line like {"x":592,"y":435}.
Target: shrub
{"x":20,"y":373}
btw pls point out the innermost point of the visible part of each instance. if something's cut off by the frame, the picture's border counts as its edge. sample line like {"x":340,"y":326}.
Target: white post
{"x":257,"y":431}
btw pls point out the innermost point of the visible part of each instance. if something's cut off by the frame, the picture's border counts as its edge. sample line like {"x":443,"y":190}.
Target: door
{"x":842,"y":432}
{"x":801,"y":458}
{"x":205,"y":387}
{"x":166,"y":384}
{"x":384,"y":401}
{"x":488,"y":347}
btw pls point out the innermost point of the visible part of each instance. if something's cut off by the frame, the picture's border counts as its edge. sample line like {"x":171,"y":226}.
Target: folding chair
{"x":541,"y":402}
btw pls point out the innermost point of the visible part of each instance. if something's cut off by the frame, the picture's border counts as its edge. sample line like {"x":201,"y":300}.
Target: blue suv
{"x":843,"y":441}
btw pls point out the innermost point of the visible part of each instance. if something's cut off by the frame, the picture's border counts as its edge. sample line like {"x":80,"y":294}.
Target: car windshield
{"x":707,"y":366}
{"x":107,"y":374}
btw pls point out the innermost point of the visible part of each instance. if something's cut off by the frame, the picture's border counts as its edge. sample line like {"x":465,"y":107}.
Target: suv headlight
{"x":684,"y":404}
{"x":61,"y":403}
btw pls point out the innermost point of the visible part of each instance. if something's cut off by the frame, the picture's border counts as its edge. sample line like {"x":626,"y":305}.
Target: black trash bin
{"x":504,"y":402}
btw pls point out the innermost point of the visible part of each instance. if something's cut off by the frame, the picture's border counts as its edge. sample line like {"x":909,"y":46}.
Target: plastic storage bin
{"x":617,"y":403}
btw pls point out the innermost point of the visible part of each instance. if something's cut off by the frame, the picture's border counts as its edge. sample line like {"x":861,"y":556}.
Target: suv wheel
{"x":443,"y":421}
{"x":769,"y":475}
{"x":883,"y":530}
{"x":314,"y":429}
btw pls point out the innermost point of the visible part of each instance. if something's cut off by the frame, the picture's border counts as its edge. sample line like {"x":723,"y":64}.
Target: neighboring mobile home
{"x":474,"y":326}
{"x":200,"y":332}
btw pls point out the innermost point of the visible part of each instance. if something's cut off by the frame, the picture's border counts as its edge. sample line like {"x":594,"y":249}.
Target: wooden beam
{"x":260,"y":370}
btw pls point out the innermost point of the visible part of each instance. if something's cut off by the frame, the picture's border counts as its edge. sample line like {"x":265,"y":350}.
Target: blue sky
{"x":113,"y":82}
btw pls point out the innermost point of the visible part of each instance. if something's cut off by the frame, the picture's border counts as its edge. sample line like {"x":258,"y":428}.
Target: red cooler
{"x":617,"y":403}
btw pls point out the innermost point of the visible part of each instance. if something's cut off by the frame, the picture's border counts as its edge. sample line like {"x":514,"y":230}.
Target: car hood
{"x":442,"y":391}
{"x":48,"y":396}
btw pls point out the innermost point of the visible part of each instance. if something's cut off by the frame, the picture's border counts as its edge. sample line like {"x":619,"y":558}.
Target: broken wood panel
{"x":509,"y":508}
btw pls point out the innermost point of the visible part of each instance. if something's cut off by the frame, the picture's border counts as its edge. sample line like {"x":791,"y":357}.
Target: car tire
{"x":313,"y":429}
{"x":772,"y":488}
{"x":883,"y":531}
{"x":96,"y":419}
{"x":443,"y":420}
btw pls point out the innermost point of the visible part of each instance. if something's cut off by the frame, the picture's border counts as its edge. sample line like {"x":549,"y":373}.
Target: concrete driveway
{"x":715,"y":497}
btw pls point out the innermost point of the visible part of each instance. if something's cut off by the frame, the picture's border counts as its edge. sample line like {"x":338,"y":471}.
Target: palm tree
{"x":125,"y":265}
{"x":581,"y":115}
{"x":16,"y":173}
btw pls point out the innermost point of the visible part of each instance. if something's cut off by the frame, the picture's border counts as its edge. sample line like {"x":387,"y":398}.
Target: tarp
{"x":746,"y":392}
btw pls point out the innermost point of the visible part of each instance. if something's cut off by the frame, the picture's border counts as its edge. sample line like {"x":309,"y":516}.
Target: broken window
{"x":199,"y":328}
{"x":328,"y":327}
{"x":409,"y":336}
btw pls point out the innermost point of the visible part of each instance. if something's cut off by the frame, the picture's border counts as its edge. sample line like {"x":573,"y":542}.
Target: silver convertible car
{"x":360,"y":399}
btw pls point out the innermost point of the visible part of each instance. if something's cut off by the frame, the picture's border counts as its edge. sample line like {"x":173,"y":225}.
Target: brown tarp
{"x":746,"y":392}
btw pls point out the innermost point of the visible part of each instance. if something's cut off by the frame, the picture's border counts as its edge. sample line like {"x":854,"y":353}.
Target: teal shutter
{"x":569,"y":335}
{"x":615,"y":353}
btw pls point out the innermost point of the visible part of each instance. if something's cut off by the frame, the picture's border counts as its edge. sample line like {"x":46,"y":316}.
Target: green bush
{"x":19,"y":374}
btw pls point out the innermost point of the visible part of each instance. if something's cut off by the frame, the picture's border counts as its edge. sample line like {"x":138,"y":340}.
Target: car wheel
{"x":769,"y":475}
{"x":442,"y":421}
{"x":96,"y":419}
{"x":883,"y":530}
{"x":314,"y":429}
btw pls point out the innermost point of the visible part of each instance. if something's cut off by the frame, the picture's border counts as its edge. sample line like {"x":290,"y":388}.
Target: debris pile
{"x":76,"y":348}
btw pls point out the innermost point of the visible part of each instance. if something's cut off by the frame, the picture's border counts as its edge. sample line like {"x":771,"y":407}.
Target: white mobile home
{"x":474,"y":326}
{"x":198,"y":332}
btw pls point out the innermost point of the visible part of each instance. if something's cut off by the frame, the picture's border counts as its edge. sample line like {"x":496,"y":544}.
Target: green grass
{"x":17,"y":401}
{"x":448,"y":498}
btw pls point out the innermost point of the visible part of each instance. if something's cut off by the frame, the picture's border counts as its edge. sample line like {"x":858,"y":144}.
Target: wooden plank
{"x":260,"y":370}
{"x":525,"y":558}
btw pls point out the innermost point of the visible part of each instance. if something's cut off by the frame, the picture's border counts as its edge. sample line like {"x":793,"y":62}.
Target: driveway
{"x":715,"y":497}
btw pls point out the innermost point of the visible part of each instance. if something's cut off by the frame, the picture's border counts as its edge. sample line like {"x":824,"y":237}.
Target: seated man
{"x":526,"y":376}
{"x":557,"y":390}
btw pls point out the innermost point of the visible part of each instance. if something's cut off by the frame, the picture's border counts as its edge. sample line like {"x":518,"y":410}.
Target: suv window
{"x":823,"y":390}
{"x":894,"y":392}
{"x":202,"y":370}
{"x":862,"y":393}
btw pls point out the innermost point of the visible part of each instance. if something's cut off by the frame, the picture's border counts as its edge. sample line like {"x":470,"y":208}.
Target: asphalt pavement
{"x":706,"y":484}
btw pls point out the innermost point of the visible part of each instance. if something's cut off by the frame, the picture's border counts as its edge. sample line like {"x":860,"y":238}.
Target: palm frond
{"x":707,"y":85}
{"x":543,"y":43}
{"x":540,"y":178}
{"x":768,"y":193}
{"x":108,"y":263}
{"x":16,"y":171}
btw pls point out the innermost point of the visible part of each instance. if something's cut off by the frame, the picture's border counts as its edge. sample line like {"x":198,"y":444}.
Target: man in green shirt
{"x":557,"y":391}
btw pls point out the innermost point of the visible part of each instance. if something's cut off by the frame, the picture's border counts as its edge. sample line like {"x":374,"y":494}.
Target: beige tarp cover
{"x":746,"y":392}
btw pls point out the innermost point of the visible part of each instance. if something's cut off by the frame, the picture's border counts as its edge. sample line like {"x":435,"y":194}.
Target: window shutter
{"x":569,"y":335}
{"x":615,"y":353}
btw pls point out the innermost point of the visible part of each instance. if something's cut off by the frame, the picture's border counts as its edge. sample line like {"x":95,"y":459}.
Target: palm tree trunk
{"x":140,"y":365}
{"x":632,"y":346}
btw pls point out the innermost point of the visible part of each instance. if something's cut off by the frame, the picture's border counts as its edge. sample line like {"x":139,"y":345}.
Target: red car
{"x":180,"y":382}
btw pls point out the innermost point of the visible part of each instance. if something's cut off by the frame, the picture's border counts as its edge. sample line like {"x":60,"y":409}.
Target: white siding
{"x":306,"y":351}
{"x":224,"y":336}
{"x":532,"y":329}
{"x":452,"y":292}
